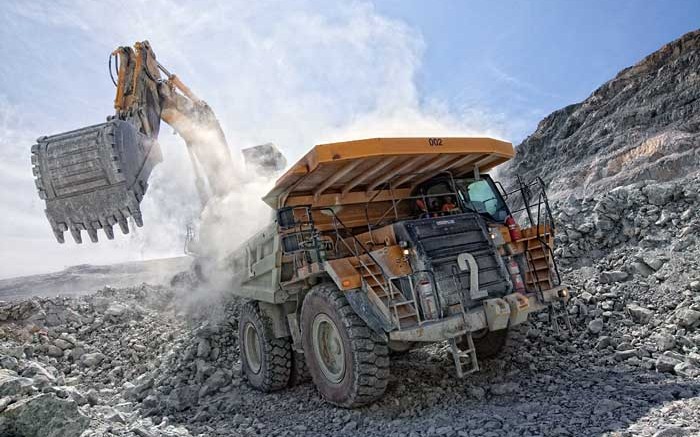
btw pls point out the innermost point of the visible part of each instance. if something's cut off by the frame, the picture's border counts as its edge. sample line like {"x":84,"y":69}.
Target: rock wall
{"x":642,"y":125}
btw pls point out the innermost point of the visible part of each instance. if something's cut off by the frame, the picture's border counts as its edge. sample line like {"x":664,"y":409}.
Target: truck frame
{"x":385,"y":244}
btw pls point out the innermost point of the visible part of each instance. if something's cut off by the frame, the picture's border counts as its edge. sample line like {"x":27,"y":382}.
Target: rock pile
{"x":65,"y":362}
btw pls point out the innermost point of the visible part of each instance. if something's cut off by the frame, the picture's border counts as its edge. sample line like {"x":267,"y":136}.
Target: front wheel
{"x":348,"y":362}
{"x":265,"y":359}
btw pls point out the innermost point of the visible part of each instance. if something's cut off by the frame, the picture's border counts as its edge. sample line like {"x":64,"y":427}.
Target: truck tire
{"x":300,"y":371}
{"x":266,"y":361}
{"x":348,"y":361}
{"x":488,"y":344}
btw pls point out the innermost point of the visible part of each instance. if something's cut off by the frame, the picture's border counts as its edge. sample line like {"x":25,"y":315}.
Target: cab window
{"x":482,"y":196}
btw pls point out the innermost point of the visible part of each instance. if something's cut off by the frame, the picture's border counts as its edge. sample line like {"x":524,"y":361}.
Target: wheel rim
{"x":328,"y":348}
{"x":251,"y":342}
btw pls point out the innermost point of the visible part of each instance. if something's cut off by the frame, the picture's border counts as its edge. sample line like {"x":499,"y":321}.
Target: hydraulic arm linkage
{"x":95,"y":177}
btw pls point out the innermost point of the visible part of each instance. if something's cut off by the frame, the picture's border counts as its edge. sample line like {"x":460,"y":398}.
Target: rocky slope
{"x":642,"y":125}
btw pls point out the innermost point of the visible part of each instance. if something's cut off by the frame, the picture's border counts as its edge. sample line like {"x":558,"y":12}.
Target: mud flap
{"x":368,"y":312}
{"x":94,"y":178}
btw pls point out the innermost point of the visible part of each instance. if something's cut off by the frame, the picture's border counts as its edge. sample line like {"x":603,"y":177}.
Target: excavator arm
{"x":95,"y":177}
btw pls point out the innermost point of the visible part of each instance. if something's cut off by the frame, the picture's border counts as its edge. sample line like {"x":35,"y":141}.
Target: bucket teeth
{"x":94,"y":178}
{"x":109,"y":232}
{"x":92,"y":232}
{"x":76,"y":235}
{"x":59,"y":236}
{"x":138,"y":219}
{"x":123,"y":224}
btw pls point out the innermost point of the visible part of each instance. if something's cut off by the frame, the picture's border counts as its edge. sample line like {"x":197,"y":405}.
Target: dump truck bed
{"x":364,"y":166}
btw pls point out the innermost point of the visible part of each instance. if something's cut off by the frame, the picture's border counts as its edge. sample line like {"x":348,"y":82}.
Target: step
{"x":540,"y":264}
{"x":540,"y":255}
{"x":375,"y":281}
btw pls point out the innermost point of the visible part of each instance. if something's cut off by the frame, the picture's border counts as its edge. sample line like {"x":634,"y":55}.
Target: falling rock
{"x":695,"y":286}
{"x":639,"y":314}
{"x":44,"y":415}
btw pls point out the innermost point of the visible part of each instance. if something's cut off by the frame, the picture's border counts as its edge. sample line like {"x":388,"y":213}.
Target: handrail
{"x":356,"y":241}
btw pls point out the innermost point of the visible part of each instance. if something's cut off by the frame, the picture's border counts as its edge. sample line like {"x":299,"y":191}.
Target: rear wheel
{"x":266,"y":360}
{"x":348,"y":362}
{"x":488,"y":344}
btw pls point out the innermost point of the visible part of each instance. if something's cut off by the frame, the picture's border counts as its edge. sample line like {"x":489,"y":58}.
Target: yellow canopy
{"x":364,"y":166}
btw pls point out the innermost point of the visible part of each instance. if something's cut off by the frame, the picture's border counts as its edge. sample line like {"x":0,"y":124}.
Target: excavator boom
{"x":95,"y":177}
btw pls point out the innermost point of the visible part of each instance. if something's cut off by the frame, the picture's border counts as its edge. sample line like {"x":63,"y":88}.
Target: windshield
{"x":482,"y":196}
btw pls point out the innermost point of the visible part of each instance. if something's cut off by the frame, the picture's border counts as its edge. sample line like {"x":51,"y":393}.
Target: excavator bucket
{"x":94,"y":178}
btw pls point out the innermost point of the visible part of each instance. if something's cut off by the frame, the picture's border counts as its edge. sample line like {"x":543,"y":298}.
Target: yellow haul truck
{"x":385,"y":244}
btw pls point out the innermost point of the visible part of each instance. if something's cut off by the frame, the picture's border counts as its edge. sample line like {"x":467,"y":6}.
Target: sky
{"x":296,"y":74}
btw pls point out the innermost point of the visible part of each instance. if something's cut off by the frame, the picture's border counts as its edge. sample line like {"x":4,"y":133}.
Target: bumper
{"x":495,"y":314}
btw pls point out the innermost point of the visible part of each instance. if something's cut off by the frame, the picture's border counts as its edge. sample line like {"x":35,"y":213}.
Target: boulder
{"x":34,"y":369}
{"x":686,"y":369}
{"x":595,"y":326}
{"x":13,"y":385}
{"x":44,"y":415}
{"x":659,"y":194}
{"x":666,"y":364}
{"x":221,"y":378}
{"x":182,"y":398}
{"x":54,"y":351}
{"x":612,"y":276}
{"x":63,"y":344}
{"x":639,"y":314}
{"x":665,"y":341}
{"x":688,"y":318}
{"x":116,"y":311}
{"x":8,"y":362}
{"x":93,"y":359}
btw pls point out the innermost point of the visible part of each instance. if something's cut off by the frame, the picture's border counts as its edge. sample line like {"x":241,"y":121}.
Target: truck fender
{"x":368,"y":312}
{"x":277,"y":314}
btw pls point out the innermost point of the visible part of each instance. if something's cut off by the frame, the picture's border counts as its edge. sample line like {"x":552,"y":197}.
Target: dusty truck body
{"x":387,"y":244}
